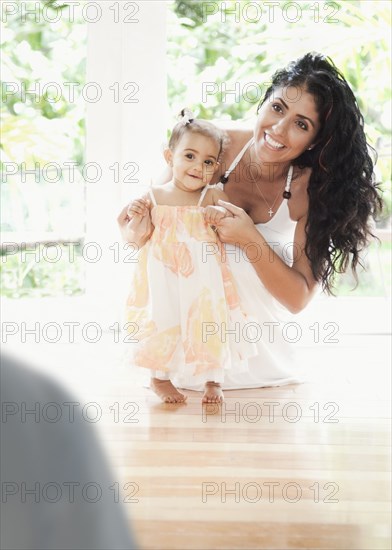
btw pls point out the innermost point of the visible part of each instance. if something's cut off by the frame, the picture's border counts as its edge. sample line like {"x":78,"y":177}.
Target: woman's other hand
{"x":135,"y":223}
{"x":139,"y":207}
{"x":214,"y":214}
{"x":236,"y":227}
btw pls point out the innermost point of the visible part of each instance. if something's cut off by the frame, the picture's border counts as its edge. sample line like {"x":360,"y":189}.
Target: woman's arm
{"x":213,"y":213}
{"x":294,"y":286}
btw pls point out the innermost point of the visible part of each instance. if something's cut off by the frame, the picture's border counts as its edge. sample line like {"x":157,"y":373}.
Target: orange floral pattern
{"x":203,"y":344}
{"x":175,"y":256}
{"x":157,"y":351}
{"x":138,"y":294}
{"x":181,"y":297}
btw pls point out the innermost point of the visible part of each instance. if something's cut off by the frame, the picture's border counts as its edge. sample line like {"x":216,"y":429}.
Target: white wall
{"x":118,"y":131}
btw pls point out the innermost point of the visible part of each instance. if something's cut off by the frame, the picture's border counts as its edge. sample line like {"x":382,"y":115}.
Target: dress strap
{"x":289,"y":178}
{"x":203,"y":193}
{"x":237,"y":159}
{"x":152,"y":197}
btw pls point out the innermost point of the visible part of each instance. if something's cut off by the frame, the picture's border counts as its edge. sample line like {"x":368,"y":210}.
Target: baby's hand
{"x":214,"y":214}
{"x":139,"y":207}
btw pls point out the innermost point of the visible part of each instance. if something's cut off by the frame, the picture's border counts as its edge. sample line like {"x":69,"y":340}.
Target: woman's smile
{"x":271,"y":142}
{"x":286,"y":127}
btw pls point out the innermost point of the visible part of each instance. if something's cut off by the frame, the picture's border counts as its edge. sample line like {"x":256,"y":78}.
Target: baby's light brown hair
{"x":197,"y":126}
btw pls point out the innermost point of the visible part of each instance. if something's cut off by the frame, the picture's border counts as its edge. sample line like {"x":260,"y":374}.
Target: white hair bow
{"x":187,"y":117}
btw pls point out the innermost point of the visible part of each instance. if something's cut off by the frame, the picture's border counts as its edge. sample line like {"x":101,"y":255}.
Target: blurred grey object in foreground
{"x":52,"y":472}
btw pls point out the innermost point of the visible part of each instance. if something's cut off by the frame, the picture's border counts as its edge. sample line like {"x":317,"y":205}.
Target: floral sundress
{"x":183,"y":308}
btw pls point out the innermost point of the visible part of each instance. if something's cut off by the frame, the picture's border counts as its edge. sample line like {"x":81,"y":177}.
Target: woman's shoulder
{"x":236,"y":129}
{"x":238,"y":134}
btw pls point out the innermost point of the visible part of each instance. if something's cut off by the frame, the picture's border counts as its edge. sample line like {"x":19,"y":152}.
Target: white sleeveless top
{"x":279,"y":230}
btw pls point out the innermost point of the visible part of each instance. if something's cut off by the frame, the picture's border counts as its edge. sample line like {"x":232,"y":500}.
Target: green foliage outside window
{"x":42,"y":126}
{"x":238,"y":48}
{"x":208,"y":56}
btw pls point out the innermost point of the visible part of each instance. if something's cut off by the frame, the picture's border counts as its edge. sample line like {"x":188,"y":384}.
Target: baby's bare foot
{"x":213,"y":393}
{"x":166,"y":391}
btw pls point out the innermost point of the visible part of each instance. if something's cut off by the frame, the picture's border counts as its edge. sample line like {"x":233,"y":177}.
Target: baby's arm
{"x":213,"y":213}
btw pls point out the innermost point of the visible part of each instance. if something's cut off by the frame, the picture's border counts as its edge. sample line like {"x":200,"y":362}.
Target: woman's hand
{"x":135,"y":222}
{"x":214,"y":214}
{"x":139,"y":207}
{"x":237,"y":227}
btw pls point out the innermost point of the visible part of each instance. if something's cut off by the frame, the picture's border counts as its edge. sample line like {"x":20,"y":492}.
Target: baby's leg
{"x":160,"y":384}
{"x":212,"y":393}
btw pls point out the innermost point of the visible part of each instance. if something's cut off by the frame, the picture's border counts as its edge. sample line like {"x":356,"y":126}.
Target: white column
{"x":125,"y":130}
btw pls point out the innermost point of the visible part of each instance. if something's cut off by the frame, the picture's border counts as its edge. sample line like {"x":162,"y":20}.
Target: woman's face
{"x":287,"y":125}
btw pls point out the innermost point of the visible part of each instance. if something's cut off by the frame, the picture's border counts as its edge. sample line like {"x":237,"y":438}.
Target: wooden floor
{"x":301,"y":466}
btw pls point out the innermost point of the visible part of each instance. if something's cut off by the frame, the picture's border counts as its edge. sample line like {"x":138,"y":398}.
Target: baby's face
{"x":195,"y":159}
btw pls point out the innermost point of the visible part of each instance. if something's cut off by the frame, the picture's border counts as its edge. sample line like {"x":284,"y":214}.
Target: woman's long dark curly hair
{"x":343,"y":196}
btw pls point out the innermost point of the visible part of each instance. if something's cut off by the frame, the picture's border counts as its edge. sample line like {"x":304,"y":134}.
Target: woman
{"x":302,"y":196}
